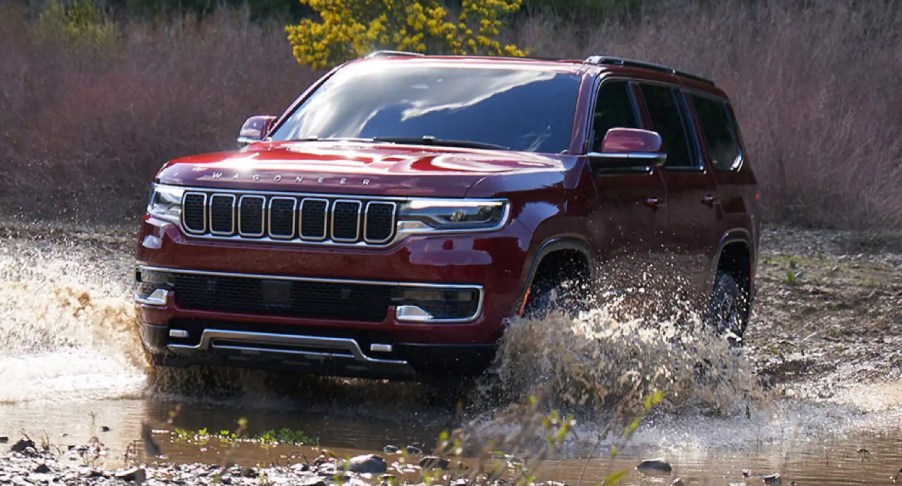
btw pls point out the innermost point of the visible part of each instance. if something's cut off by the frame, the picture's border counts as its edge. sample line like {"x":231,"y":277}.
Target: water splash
{"x":67,"y":328}
{"x":592,"y":361}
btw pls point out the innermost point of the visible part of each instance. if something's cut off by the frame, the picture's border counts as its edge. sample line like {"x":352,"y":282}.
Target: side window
{"x":718,"y":133}
{"x":667,"y":120}
{"x":613,"y":109}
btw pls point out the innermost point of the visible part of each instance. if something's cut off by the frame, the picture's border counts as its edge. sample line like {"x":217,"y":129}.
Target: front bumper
{"x":405,"y":346}
{"x":312,"y":354}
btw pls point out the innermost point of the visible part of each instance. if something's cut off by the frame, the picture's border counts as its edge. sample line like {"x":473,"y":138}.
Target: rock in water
{"x":136,"y":474}
{"x":21,"y":445}
{"x":368,"y":463}
{"x":433,"y":462}
{"x":654,"y":466}
{"x":772,"y":480}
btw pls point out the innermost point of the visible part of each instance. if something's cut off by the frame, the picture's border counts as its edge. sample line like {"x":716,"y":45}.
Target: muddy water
{"x":70,"y":368}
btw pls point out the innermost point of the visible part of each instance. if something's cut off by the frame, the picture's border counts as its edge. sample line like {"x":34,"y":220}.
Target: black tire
{"x":550,"y":295}
{"x":728,"y":308}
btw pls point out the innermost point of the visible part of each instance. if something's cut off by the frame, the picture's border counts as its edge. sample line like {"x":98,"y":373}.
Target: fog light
{"x":152,"y":287}
{"x":436,"y":304}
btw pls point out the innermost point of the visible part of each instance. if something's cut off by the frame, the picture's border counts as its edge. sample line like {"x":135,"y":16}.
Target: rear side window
{"x":613,"y":109}
{"x":718,"y":133}
{"x":667,"y":120}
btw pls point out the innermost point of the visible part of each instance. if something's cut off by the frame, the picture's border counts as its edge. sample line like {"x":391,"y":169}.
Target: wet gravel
{"x":828,"y":312}
{"x":29,"y":466}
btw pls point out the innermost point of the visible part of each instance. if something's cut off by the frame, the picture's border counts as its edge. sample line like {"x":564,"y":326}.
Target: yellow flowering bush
{"x":352,"y":28}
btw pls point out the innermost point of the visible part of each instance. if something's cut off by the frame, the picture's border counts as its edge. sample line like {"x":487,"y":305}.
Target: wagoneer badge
{"x":280,"y":178}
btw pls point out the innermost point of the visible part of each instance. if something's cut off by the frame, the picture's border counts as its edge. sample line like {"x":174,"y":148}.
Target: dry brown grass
{"x":82,"y":131}
{"x":815,"y":86}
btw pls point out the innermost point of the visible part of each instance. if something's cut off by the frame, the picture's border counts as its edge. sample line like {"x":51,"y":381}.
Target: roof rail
{"x":618,"y":61}
{"x":393,"y":54}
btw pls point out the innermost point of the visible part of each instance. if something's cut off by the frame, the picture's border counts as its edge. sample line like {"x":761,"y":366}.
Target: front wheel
{"x":728,"y":308}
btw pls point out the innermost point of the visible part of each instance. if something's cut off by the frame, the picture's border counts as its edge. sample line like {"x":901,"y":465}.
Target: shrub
{"x":349,"y":29}
{"x":78,"y":24}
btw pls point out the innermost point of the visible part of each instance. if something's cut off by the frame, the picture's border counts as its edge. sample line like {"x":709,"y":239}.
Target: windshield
{"x":520,"y":109}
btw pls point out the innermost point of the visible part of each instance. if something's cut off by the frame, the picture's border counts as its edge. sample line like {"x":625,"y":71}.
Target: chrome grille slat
{"x":376,"y":210}
{"x":279,"y":216}
{"x":251,"y":214}
{"x":345,"y":215}
{"x":289,"y":217}
{"x":222,"y":214}
{"x":318,"y":225}
{"x":194,"y":206}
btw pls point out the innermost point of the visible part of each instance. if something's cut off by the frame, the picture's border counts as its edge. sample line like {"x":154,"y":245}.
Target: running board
{"x":314,"y":347}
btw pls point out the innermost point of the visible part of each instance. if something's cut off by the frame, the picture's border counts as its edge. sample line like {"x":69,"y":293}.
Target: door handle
{"x":710,"y":200}
{"x":653,"y":202}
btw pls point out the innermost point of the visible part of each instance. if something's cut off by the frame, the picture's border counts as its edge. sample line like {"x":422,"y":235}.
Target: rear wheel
{"x":728,"y":308}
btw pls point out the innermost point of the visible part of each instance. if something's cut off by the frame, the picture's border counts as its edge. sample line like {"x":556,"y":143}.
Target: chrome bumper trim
{"x":256,"y":342}
{"x":156,"y":298}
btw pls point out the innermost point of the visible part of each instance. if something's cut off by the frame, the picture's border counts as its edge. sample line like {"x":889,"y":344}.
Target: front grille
{"x":295,"y":218}
{"x":317,"y":300}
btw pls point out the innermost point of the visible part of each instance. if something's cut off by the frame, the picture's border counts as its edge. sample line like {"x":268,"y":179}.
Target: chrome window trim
{"x":394,"y":217}
{"x":480,"y":291}
{"x":677,"y":92}
{"x":325,"y":220}
{"x":294,"y":207}
{"x":210,"y":209}
{"x":184,"y":225}
{"x":357,"y":229}
{"x":262,"y":216}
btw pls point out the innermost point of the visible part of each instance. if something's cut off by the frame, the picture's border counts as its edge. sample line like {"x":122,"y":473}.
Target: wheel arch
{"x":735,"y":254}
{"x":567,"y":247}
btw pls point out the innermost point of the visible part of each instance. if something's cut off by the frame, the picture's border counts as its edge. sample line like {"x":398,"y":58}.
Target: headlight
{"x":166,"y":203}
{"x":454,"y":214}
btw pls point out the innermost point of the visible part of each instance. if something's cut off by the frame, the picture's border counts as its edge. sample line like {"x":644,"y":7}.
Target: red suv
{"x":404,"y":206}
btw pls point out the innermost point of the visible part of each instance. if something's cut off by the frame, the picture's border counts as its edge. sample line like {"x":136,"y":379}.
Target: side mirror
{"x":254,"y":129}
{"x":628,"y":148}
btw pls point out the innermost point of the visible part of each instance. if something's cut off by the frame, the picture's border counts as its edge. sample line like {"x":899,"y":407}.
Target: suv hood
{"x":352,"y":168}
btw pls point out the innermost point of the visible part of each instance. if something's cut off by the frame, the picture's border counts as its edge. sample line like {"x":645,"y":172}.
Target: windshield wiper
{"x":430,"y":140}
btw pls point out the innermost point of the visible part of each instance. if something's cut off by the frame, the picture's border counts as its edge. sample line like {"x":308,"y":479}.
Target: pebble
{"x":367,"y":464}
{"x":654,"y":466}
{"x":390,"y":449}
{"x":414,"y":450}
{"x":311,"y":481}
